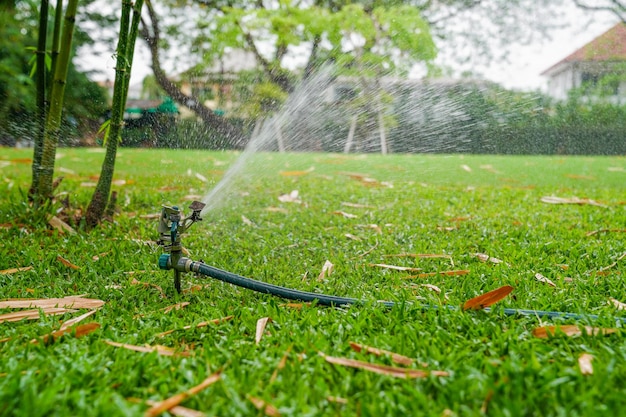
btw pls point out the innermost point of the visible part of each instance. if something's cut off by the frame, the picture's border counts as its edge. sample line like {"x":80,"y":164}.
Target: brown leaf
{"x":60,"y":225}
{"x":34,"y":314}
{"x":327,"y":269}
{"x":618,"y":304}
{"x":172,"y":402}
{"x":432,"y":288}
{"x":281,"y":364}
{"x":148,"y":285}
{"x":338,"y":400}
{"x":178,"y":306}
{"x":488,"y":298}
{"x":262,"y":405}
{"x":177,"y":410}
{"x":71,"y":322}
{"x":545,"y":280}
{"x":356,"y":205}
{"x":14,"y":270}
{"x":79,"y":331}
{"x":395,"y":267}
{"x":292,"y":197}
{"x":277,"y":209}
{"x":66,"y":262}
{"x":346,"y":215}
{"x":483,"y":257}
{"x":395,"y":357}
{"x":70,"y":301}
{"x":446,"y":273}
{"x":201,"y":324}
{"x":297,"y":306}
{"x":161,"y":350}
{"x":296,"y":173}
{"x":383,"y":369}
{"x":572,"y":200}
{"x":571,"y":330}
{"x":466,"y":168}
{"x":595,"y":232}
{"x":584,"y":363}
{"x":352,"y":237}
{"x":260,"y":328}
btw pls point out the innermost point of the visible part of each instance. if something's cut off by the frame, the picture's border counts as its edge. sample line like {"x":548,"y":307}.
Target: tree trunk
{"x":41,"y":94}
{"x":53,"y":119}
{"x":231,"y":135}
{"x":350,"y":139}
{"x":125,"y":53}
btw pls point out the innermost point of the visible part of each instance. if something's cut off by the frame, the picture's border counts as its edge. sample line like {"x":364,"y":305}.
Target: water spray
{"x":172,"y":224}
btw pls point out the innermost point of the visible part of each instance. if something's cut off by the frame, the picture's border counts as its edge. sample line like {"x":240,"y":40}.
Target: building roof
{"x":610,"y":46}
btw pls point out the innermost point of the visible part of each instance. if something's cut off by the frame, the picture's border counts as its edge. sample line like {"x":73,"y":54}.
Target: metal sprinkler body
{"x":172,"y":225}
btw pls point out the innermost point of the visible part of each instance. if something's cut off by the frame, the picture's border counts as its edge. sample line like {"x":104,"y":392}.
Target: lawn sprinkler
{"x":172,"y":225}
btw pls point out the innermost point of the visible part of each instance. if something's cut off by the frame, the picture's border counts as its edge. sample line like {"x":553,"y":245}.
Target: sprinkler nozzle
{"x":172,"y":225}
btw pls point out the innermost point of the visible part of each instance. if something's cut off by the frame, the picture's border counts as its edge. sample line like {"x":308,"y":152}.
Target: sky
{"x":521,"y":71}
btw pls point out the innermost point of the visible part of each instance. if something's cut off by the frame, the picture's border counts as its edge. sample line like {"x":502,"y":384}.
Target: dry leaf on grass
{"x":346,"y":215}
{"x":584,"y":363}
{"x":571,"y":330}
{"x":296,"y":173}
{"x":483,"y":257}
{"x":544,"y":279}
{"x":571,"y":200}
{"x":260,"y":328}
{"x":161,"y":350}
{"x":292,"y":197}
{"x":201,"y":177}
{"x":34,"y":314}
{"x":488,"y":298}
{"x":395,"y":357}
{"x":247,"y":221}
{"x":201,"y":324}
{"x":617,"y":304}
{"x":71,"y":322}
{"x":66,"y":262}
{"x":172,"y":402}
{"x":456,"y":272}
{"x":60,"y":225}
{"x":604,"y":268}
{"x":14,"y":270}
{"x":78,"y":331}
{"x":262,"y":405}
{"x":396,"y":268}
{"x":352,"y":237}
{"x":281,"y":364}
{"x":382,"y":369}
{"x":432,"y":287}
{"x":70,"y":301}
{"x":357,"y":205}
{"x":338,"y":400}
{"x":177,"y":306}
{"x":178,"y":410}
{"x":595,"y":232}
{"x":148,"y":285}
{"x":327,"y":269}
{"x":466,"y":168}
{"x":277,"y":209}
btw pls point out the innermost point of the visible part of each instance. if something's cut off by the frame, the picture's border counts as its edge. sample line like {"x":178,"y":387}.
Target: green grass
{"x":496,"y":366}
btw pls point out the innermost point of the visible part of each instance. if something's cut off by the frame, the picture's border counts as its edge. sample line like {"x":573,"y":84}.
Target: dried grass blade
{"x":281,"y":364}
{"x":383,"y":369}
{"x":395,"y":357}
{"x":71,"y":301}
{"x":539,"y":277}
{"x":396,"y":268}
{"x":76,"y":320}
{"x":79,"y":331}
{"x":172,"y":402}
{"x":161,"y":350}
{"x":571,"y":330}
{"x":262,"y":405}
{"x":618,"y":304}
{"x":14,"y":270}
{"x":177,"y":306}
{"x":201,"y":324}
{"x":34,"y":314}
{"x":488,"y":298}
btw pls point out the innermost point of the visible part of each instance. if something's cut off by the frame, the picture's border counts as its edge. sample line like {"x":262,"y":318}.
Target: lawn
{"x":418,"y":230}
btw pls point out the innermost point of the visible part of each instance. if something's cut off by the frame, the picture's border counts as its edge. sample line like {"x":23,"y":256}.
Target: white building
{"x":604,"y":55}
